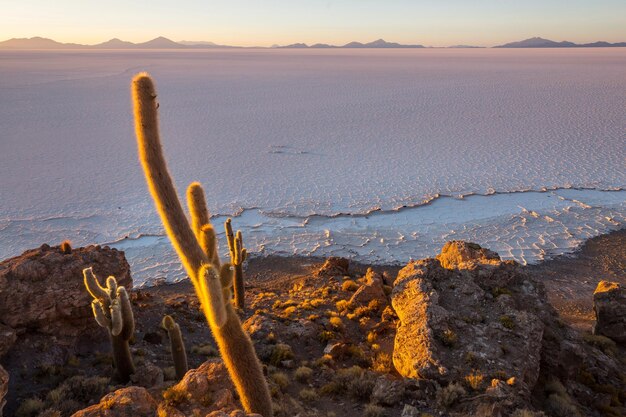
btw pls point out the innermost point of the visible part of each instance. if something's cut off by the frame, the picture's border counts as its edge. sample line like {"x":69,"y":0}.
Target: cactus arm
{"x":98,"y":313}
{"x":111,"y":287}
{"x":197,"y":208}
{"x":157,"y":176}
{"x":230,"y":238}
{"x":212,"y":301}
{"x":128,"y":319}
{"x":179,"y":354}
{"x":208,"y":242}
{"x":93,"y":286}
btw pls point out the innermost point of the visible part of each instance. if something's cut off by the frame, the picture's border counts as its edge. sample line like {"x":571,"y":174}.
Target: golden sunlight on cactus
{"x":196,"y":247}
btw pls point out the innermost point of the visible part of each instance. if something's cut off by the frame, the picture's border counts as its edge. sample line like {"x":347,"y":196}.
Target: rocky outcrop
{"x":470,"y":321}
{"x":334,"y":266}
{"x":4,"y":387}
{"x":372,"y":289}
{"x":43,"y":289}
{"x":457,"y":254}
{"x":609,"y":305}
{"x":125,"y":402}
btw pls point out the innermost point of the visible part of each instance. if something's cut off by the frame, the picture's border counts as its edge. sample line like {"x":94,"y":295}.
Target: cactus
{"x":210,"y":279}
{"x":112,"y":310}
{"x":66,"y":247}
{"x":179,"y":354}
{"x":238,"y":255}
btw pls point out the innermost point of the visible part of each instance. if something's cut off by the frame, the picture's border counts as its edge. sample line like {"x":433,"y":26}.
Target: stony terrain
{"x":462,"y":334}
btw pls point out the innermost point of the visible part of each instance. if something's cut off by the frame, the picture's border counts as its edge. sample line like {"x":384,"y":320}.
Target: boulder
{"x":125,"y":402}
{"x":43,"y":289}
{"x":371,"y":290}
{"x":207,"y":388}
{"x":334,"y":266}
{"x":470,"y":319}
{"x":4,"y":387}
{"x":609,"y":305}
{"x":466,"y":255}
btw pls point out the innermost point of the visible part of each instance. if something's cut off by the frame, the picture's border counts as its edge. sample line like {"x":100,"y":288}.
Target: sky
{"x":268,"y":22}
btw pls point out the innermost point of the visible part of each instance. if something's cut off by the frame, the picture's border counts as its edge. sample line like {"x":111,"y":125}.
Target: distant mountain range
{"x":547,"y":43}
{"x":164,"y":43}
{"x":115,"y":43}
{"x":380,"y":43}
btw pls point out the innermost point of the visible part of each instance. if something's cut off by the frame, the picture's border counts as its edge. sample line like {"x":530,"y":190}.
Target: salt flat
{"x":380,"y":155}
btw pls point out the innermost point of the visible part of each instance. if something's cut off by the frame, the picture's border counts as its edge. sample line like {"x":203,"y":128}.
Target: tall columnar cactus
{"x":196,"y":248}
{"x":113,"y":311}
{"x":238,"y":255}
{"x":179,"y":354}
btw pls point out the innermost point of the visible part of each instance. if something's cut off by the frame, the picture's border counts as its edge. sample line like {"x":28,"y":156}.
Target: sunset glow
{"x":249,"y":22}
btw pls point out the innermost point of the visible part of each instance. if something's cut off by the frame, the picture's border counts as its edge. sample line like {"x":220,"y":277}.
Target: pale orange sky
{"x":252,"y":22}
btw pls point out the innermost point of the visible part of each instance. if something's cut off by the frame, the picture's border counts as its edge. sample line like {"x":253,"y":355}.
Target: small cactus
{"x":66,"y":247}
{"x":179,"y":354}
{"x":238,"y":255}
{"x":113,"y":311}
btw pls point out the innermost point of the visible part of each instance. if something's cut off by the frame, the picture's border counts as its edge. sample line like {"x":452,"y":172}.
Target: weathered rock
{"x":609,"y":305}
{"x":125,"y":402}
{"x":334,"y":266}
{"x":371,"y":290}
{"x":410,"y":411}
{"x":466,"y":255}
{"x":4,"y":387}
{"x":8,"y":336}
{"x":207,"y":388}
{"x":43,"y":289}
{"x":454,"y":322}
{"x":387,"y":391}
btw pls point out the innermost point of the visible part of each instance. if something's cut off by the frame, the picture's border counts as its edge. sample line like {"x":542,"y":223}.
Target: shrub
{"x":349,"y":285}
{"x":474,"y":380}
{"x":29,"y":407}
{"x":66,"y":247}
{"x":303,"y":374}
{"x":603,"y":343}
{"x":382,"y":362}
{"x":281,"y":379}
{"x":449,"y":395}
{"x":280,"y":353}
{"x":448,"y":338}
{"x":373,"y":410}
{"x":336,"y":322}
{"x":308,"y":395}
{"x":507,"y":321}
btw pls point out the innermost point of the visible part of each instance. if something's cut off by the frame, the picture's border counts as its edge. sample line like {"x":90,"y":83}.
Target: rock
{"x":125,"y":402}
{"x":466,"y":255}
{"x":410,"y":411}
{"x":207,"y":388}
{"x":4,"y":387}
{"x":371,"y":290}
{"x":457,"y":322}
{"x":387,"y":391}
{"x":147,"y":375}
{"x":8,"y":336}
{"x":43,"y":289}
{"x":334,"y":266}
{"x":609,"y":305}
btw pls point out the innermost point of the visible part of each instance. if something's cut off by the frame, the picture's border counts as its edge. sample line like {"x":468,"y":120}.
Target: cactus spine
{"x":205,"y":273}
{"x":112,"y":310}
{"x":179,"y":354}
{"x":238,"y":255}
